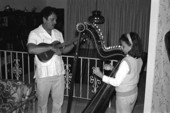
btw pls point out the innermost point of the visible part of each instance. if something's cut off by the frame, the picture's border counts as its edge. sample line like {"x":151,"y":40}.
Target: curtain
{"x":121,"y":16}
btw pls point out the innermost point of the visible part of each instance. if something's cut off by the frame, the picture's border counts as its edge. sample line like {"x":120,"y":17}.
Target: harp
{"x":100,"y":101}
{"x":112,"y":52}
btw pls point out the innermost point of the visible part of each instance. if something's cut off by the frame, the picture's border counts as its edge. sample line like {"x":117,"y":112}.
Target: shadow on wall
{"x":167,"y":43}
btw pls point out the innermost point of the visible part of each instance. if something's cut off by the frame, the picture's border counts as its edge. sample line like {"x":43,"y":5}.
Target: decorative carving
{"x":17,"y":70}
{"x":67,"y":76}
{"x":95,"y":83}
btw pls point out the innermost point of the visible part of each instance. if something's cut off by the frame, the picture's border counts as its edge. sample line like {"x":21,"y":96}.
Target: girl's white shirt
{"x":120,"y":75}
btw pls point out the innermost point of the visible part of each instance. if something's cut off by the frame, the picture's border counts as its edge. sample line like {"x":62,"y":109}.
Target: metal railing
{"x":20,"y":66}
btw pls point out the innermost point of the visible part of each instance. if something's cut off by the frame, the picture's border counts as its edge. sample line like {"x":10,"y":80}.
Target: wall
{"x":30,"y":4}
{"x":22,"y":4}
{"x":161,"y":89}
{"x":57,"y":3}
{"x":158,"y":68}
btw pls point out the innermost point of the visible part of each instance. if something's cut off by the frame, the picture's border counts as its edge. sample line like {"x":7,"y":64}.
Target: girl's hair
{"x":167,"y":43}
{"x":133,"y":39}
{"x":47,"y":11}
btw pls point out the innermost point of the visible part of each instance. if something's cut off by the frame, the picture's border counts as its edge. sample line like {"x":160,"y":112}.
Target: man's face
{"x":50,"y":22}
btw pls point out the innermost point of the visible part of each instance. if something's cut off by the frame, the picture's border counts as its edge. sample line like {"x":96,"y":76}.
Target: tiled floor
{"x":78,"y":104}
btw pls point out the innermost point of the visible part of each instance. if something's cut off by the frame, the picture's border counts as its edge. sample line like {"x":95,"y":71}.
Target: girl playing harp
{"x":127,"y":76}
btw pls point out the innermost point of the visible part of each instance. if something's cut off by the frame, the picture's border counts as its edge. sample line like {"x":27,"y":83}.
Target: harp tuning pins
{"x":101,"y":33}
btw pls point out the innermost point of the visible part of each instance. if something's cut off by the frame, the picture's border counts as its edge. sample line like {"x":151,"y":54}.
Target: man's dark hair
{"x":47,"y":11}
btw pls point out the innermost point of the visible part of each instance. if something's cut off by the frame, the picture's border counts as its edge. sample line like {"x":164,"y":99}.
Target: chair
{"x":14,"y":96}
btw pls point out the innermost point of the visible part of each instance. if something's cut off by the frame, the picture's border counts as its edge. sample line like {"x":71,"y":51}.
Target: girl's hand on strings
{"x":97,"y":72}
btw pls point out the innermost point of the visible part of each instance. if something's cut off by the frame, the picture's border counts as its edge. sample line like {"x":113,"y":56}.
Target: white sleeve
{"x":120,"y":75}
{"x":58,"y":35}
{"x":62,"y":39}
{"x":32,"y":38}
